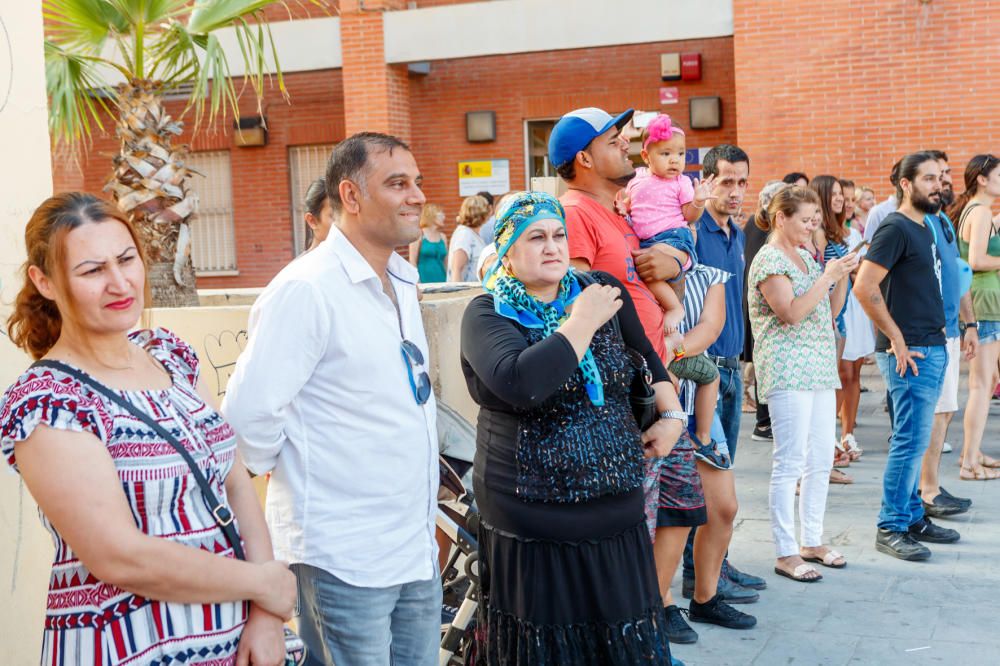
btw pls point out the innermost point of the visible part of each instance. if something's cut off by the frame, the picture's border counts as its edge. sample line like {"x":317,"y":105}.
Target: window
{"x":537,"y":142}
{"x":213,"y":241}
{"x":307,"y":163}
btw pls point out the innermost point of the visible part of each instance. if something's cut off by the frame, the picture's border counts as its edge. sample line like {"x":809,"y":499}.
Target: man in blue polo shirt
{"x":719,"y":243}
{"x":722,"y":243}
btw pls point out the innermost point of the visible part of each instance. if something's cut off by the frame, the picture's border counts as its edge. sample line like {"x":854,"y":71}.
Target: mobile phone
{"x":860,"y":245}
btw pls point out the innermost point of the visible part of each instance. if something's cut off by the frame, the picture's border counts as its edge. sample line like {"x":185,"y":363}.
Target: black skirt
{"x":568,"y":584}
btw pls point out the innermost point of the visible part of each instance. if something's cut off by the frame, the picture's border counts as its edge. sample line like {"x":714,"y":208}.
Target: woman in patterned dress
{"x":795,"y":357}
{"x":141,"y":573}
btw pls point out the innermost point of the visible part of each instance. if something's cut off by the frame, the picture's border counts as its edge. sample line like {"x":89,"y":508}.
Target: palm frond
{"x":73,"y":82}
{"x":210,"y":15}
{"x":83,"y":24}
{"x":149,"y":11}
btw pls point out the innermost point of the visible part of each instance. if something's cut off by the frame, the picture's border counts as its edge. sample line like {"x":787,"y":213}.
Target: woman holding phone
{"x":837,"y":241}
{"x":791,"y":298}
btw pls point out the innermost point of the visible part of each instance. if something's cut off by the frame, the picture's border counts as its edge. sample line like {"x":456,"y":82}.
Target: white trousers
{"x":804,"y":428}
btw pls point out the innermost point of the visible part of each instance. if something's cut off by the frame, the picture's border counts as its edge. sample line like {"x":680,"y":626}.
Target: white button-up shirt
{"x":322,"y":397}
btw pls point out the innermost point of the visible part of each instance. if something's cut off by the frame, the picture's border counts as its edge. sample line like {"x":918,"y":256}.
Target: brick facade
{"x":532,"y":86}
{"x":428,"y":111}
{"x":853,"y":90}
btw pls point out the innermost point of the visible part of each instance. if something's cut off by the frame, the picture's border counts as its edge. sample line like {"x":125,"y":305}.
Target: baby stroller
{"x":458,"y":519}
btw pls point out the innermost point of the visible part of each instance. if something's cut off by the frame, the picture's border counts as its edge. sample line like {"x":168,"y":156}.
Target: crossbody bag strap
{"x":222,"y":514}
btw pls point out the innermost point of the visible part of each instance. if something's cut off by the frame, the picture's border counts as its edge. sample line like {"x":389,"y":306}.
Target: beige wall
{"x":25,"y":549}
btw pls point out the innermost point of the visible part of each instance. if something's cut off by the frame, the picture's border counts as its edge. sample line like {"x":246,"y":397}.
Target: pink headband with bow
{"x":661,"y":128}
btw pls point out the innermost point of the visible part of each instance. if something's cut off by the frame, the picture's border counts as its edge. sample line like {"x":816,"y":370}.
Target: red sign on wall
{"x":669,"y":95}
{"x":691,"y":66}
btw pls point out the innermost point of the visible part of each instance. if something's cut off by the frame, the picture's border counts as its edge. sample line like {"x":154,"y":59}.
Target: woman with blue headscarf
{"x":566,"y":561}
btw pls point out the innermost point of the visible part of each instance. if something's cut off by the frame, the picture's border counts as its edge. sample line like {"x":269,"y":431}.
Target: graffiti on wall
{"x":221,"y":352}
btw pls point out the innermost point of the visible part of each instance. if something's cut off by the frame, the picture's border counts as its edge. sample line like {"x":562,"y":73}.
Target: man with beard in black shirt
{"x":899,"y":287}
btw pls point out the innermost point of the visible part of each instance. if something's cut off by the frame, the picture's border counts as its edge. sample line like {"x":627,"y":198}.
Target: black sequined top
{"x":539,"y":436}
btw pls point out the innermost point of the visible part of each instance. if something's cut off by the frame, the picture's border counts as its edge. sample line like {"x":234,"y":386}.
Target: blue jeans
{"x":913,"y":400}
{"x":368,"y":626}
{"x":720,"y":438}
{"x":730,"y":406}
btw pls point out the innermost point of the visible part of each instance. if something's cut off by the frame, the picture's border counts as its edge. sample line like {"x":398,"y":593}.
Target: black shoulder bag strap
{"x":223,"y":516}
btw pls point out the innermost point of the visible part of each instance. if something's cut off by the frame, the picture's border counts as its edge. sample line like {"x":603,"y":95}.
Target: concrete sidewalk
{"x":878,"y":610}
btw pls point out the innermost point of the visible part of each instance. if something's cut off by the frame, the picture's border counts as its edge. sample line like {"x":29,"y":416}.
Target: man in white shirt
{"x":881,"y":211}
{"x":332,"y":396}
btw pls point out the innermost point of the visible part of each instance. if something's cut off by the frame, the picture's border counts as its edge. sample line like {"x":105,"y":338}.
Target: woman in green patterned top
{"x":791,"y":299}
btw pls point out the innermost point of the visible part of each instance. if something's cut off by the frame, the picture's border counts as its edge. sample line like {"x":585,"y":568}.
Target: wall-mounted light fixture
{"x":670,"y":66}
{"x":250,"y":131}
{"x":480,"y":126}
{"x":706,"y":112}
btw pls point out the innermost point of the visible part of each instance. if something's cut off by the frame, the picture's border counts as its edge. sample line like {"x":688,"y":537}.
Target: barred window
{"x":213,"y":239}
{"x":306,"y":164}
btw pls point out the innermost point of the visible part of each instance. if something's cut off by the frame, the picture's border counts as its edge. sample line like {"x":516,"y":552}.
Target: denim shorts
{"x":989,"y":331}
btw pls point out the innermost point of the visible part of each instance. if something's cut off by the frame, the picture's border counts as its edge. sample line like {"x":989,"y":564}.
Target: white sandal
{"x":828,"y":559}
{"x":850,"y":446}
{"x":799,"y":572}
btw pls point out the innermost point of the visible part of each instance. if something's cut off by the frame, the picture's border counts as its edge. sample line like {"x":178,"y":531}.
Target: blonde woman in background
{"x":429,"y":252}
{"x":466,"y":244}
{"x":864,"y":201}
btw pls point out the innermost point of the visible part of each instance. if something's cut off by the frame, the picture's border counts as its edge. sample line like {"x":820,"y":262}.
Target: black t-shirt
{"x":912,"y":289}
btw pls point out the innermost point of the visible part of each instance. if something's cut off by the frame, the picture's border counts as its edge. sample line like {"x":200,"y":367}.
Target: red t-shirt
{"x":603,"y":239}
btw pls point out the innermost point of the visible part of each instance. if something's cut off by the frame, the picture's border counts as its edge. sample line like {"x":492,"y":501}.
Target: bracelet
{"x":679,"y":352}
{"x":701,"y":207}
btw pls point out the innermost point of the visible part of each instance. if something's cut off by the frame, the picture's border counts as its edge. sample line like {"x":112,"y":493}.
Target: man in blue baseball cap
{"x":577,"y":130}
{"x":589,"y":153}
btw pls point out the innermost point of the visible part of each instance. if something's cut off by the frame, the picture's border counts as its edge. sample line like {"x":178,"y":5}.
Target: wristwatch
{"x":972,"y":324}
{"x":675,"y":414}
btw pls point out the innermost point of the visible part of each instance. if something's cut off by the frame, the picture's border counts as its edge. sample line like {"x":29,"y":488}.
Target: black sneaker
{"x":943,"y":506}
{"x":741,"y":578}
{"x":925,"y":530}
{"x":965,"y":501}
{"x":762,"y":434}
{"x":678,"y":631}
{"x":717,"y":611}
{"x":731,"y":592}
{"x":900,"y":545}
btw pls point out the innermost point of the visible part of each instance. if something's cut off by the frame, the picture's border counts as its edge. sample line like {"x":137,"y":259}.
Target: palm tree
{"x":154,"y":47}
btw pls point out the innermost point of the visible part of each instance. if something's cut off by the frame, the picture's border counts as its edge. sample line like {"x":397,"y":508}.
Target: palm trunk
{"x":150,"y":185}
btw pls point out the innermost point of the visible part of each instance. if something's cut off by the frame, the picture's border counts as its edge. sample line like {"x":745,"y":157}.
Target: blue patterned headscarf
{"x":516,"y":213}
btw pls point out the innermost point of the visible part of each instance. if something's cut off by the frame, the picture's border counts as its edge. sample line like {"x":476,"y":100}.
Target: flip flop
{"x":828,"y":559}
{"x":992,"y":464}
{"x":836,"y":476}
{"x":798,"y":573}
{"x":981,"y":474}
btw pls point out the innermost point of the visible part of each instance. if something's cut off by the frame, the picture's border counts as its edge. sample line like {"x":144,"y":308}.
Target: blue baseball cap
{"x":577,"y":129}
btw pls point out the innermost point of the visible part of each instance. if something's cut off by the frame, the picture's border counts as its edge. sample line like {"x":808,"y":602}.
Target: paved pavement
{"x":878,"y":610}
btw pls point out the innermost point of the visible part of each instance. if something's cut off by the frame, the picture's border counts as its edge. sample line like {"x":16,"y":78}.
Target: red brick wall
{"x":850,"y":92}
{"x":376,"y":95}
{"x":543,"y":85}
